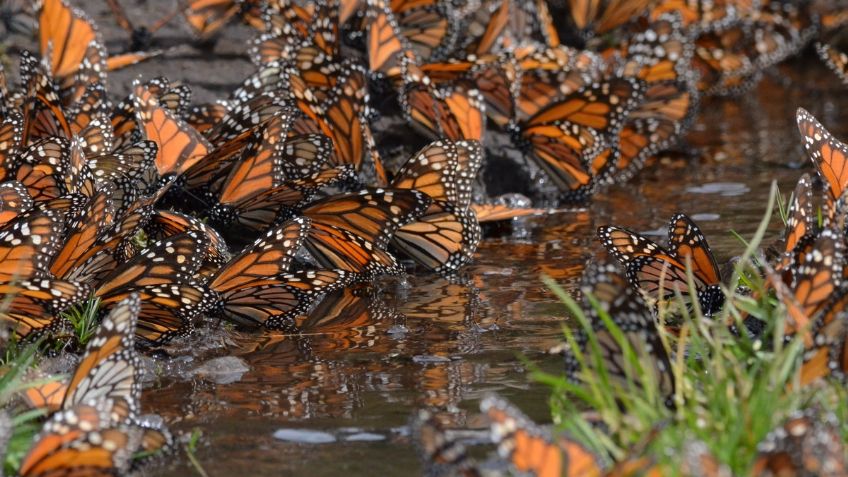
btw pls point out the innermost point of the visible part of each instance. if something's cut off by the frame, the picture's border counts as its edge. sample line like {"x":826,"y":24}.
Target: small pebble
{"x":304,"y":436}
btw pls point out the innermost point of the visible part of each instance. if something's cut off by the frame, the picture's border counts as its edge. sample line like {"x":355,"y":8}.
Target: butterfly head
{"x":222,"y":215}
{"x":711,"y":300}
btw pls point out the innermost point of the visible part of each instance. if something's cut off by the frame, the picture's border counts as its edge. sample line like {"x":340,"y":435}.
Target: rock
{"x":224,"y":370}
{"x":304,"y":436}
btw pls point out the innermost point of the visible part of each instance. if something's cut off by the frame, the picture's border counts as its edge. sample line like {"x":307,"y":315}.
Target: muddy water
{"x":366,"y":360}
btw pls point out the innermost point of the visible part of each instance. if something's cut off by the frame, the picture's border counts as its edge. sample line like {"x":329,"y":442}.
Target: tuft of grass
{"x":19,"y":426}
{"x":190,"y":450}
{"x":731,"y":390}
{"x":83,"y":319}
{"x":141,"y":240}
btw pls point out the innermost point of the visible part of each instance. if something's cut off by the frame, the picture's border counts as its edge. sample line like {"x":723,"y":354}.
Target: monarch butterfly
{"x":335,"y":247}
{"x":831,"y":17}
{"x":54,"y":167}
{"x":828,"y":154}
{"x":807,"y":443}
{"x":351,"y":231}
{"x":96,"y":138}
{"x":128,"y":170}
{"x":140,"y":37}
{"x":527,"y":448}
{"x":256,"y":210}
{"x":661,"y":273}
{"x":273,"y":77}
{"x":269,"y":157}
{"x":550,"y":74}
{"x":826,"y":353}
{"x":496,"y":77}
{"x":255,"y":288}
{"x":66,"y":207}
{"x":110,"y":368}
{"x":11,"y":142}
{"x":44,"y":167}
{"x":205,"y":17}
{"x":450,"y":112}
{"x":68,"y":41}
{"x":84,"y":440}
{"x":27,"y":243}
{"x":268,"y":257}
{"x":659,"y":52}
{"x":596,"y":17}
{"x":32,"y":306}
{"x":81,"y":237}
{"x":14,"y":200}
{"x":800,"y":227}
{"x":705,"y":15}
{"x":829,"y":354}
{"x":441,"y":454}
{"x":780,"y":31}
{"x":426,"y":27}
{"x":568,"y":138}
{"x":179,"y":146}
{"x":444,"y":170}
{"x":43,"y":113}
{"x":386,"y":45}
{"x":245,"y":117}
{"x":311,"y":46}
{"x":203,"y":116}
{"x":605,"y":289}
{"x":532,"y":20}
{"x":240,"y":141}
{"x":48,"y":395}
{"x":444,"y":238}
{"x":372,"y":214}
{"x":485,"y":30}
{"x":164,"y":223}
{"x":93,"y":105}
{"x":664,"y":115}
{"x":341,"y":117}
{"x":162,"y":275}
{"x":172,"y":96}
{"x":499,"y":212}
{"x":283,"y":16}
{"x":723,"y":64}
{"x":813,"y":282}
{"x":111,"y":245}
{"x":835,"y":60}
{"x":71,"y":43}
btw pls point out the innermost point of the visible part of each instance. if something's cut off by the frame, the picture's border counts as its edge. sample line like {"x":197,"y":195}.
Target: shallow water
{"x":361,"y":369}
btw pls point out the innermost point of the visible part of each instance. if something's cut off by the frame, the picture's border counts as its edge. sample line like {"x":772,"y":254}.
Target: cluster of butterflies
{"x":85,"y":185}
{"x":587,"y":117}
{"x":146,"y":199}
{"x":807,"y":278}
{"x":806,"y":443}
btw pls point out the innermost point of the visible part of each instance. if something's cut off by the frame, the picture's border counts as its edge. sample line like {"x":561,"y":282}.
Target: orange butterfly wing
{"x":180,"y":146}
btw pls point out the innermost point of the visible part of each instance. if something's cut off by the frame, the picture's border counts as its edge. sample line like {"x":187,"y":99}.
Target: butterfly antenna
{"x":164,"y":21}
{"x":120,"y":15}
